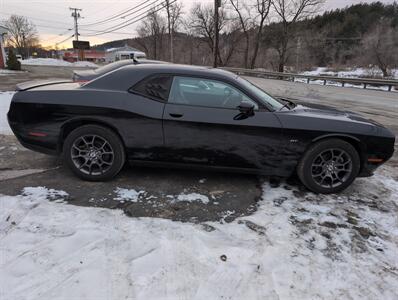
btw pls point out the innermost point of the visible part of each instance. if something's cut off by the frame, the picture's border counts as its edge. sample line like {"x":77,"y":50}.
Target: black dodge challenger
{"x":171,"y":115}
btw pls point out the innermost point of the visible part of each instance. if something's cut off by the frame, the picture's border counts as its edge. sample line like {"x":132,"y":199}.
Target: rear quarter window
{"x":154,"y":87}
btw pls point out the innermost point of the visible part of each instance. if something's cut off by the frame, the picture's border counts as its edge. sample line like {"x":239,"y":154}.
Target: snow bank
{"x":85,"y":64}
{"x":293,"y":247}
{"x":56,"y":62}
{"x":5,"y":99}
{"x":45,"y":62}
{"x":350,"y":73}
{"x":4,"y":72}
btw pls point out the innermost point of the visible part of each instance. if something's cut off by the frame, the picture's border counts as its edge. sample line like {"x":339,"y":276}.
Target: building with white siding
{"x":121,"y":53}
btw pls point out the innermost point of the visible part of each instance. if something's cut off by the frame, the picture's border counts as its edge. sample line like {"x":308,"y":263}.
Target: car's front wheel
{"x":94,"y":153}
{"x":329,"y":166}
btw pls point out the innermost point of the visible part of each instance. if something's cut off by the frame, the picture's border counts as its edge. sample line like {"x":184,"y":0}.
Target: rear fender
{"x":74,"y":123}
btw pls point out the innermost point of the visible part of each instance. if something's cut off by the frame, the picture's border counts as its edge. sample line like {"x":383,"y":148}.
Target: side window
{"x":154,"y":87}
{"x":206,"y":92}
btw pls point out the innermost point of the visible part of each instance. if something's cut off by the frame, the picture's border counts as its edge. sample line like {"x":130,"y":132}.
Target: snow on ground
{"x":127,"y":195}
{"x":5,"y":99}
{"x":56,"y":62}
{"x":192,"y":197}
{"x":85,"y":64}
{"x":4,"y":72}
{"x":293,"y":247}
{"x":349,"y":73}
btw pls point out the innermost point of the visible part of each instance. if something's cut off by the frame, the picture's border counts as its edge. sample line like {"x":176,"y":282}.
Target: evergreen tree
{"x":12,"y":61}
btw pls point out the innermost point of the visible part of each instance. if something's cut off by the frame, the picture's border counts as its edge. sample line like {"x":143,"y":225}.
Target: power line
{"x":34,"y":18}
{"x":58,"y":35}
{"x":68,"y":38}
{"x":63,"y":28}
{"x":133,"y":20}
{"x":96,"y":31}
{"x":121,"y":15}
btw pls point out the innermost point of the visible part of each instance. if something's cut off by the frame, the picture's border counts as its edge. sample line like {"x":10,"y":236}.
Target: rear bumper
{"x":38,"y":148}
{"x":46,"y":144}
{"x":368,"y":170}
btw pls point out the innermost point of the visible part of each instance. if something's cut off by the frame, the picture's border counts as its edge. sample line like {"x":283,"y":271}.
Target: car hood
{"x":327,"y":112}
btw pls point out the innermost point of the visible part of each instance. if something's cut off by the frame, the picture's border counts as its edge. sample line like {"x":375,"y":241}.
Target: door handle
{"x":175,"y":115}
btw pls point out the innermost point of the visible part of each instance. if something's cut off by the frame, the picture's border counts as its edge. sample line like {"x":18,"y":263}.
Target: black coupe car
{"x":172,"y":115}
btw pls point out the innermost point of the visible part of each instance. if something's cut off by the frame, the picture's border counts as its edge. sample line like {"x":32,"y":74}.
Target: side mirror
{"x":247,"y":108}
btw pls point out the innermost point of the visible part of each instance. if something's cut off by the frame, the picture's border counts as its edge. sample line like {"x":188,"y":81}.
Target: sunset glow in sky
{"x":55,"y":24}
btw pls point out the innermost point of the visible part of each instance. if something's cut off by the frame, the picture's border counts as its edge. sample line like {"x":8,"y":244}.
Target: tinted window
{"x":263,"y":96}
{"x":157,"y":87}
{"x":206,"y":92}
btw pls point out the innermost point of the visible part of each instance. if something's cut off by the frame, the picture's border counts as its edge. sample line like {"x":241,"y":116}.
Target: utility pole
{"x":217,"y":5}
{"x":171,"y":29}
{"x":76,"y":16}
{"x":298,"y":53}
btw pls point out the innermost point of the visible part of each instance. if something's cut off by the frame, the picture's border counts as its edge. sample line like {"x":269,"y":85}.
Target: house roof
{"x":124,"y":48}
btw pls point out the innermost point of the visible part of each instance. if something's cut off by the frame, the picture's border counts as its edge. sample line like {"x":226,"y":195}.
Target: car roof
{"x":126,"y":62}
{"x":177,"y":69}
{"x":150,"y":61}
{"x":125,"y":77}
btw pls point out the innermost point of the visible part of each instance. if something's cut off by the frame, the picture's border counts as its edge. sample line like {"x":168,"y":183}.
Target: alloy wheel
{"x":331,"y":168}
{"x":92,"y":154}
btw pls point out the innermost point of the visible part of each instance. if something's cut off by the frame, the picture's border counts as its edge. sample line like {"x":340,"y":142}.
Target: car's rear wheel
{"x":329,"y":166}
{"x":94,"y":153}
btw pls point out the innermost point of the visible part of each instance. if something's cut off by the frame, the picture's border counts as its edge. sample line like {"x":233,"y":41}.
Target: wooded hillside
{"x":359,"y":35}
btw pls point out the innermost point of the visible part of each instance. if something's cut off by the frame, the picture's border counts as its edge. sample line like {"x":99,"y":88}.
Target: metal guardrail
{"x":390,"y":83}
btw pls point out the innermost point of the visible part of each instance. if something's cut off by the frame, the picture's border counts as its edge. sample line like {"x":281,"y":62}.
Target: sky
{"x":54,"y":22}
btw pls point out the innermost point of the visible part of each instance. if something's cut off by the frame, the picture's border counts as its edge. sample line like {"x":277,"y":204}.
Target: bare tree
{"x":152,"y":29}
{"x":263,"y":9}
{"x":174,"y":14}
{"x":201,"y":22}
{"x":22,"y":34}
{"x":243,"y":12}
{"x":193,"y":43}
{"x":288,"y":13}
{"x":380,"y":47}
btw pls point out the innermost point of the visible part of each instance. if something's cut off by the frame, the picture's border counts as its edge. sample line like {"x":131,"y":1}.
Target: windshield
{"x":113,"y":66}
{"x":261,"y":95}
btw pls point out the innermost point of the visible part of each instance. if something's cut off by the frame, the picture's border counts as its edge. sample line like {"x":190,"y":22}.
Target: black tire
{"x":94,"y":153}
{"x":326,"y":176}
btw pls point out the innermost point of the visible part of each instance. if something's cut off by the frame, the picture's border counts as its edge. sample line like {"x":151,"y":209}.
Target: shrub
{"x":12,"y":61}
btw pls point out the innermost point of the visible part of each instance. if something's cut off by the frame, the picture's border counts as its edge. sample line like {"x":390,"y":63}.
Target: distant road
{"x":378,"y":105}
